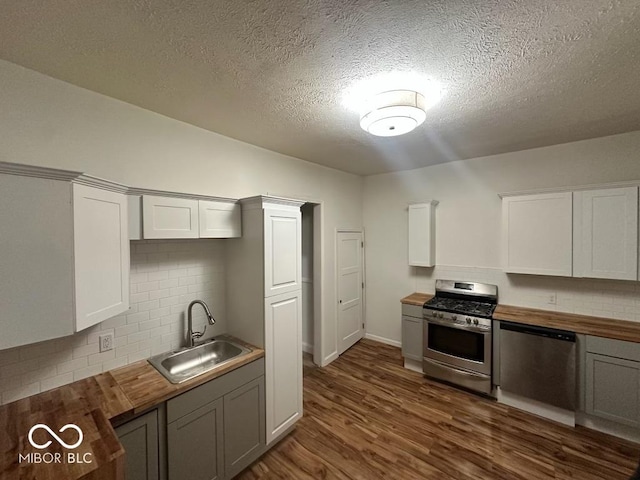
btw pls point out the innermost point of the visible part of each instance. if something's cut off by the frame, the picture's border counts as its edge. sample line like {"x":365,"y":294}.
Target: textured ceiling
{"x":518,"y":73}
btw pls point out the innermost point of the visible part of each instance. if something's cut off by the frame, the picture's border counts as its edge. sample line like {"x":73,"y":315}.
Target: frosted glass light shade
{"x":393,"y":113}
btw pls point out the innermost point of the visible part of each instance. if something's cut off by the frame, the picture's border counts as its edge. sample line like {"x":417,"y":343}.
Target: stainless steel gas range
{"x":458,"y":332}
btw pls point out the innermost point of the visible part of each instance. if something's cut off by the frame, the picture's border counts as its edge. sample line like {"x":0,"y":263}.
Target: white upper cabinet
{"x":606,"y":233}
{"x":101,"y":250}
{"x":282,"y":251}
{"x":537,"y":234}
{"x":422,"y":234}
{"x":64,"y":253}
{"x":169,"y":217}
{"x":219,"y":219}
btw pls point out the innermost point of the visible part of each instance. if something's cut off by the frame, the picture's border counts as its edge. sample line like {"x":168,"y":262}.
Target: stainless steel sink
{"x":181,"y":365}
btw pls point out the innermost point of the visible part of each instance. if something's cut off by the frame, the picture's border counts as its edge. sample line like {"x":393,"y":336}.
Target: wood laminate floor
{"x":366,"y":417}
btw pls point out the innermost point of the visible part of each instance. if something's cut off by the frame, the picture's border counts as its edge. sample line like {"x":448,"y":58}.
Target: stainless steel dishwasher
{"x":538,"y":363}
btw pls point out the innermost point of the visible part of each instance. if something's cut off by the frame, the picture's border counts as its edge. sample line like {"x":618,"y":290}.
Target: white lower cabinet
{"x":283,"y":356}
{"x":612,"y":383}
{"x":64,"y":254}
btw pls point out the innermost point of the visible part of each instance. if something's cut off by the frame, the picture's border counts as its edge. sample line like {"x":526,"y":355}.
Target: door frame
{"x":335,"y":286}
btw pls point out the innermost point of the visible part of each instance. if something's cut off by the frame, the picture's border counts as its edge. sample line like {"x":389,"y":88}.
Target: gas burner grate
{"x":463,"y":307}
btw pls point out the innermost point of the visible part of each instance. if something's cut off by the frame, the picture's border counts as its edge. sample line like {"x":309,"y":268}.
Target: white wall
{"x":468,"y":228}
{"x":165,"y":277}
{"x":51,"y":123}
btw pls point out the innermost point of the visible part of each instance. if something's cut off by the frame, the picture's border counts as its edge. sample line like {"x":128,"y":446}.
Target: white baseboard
{"x":388,"y":341}
{"x":556,"y":414}
{"x":307,"y":348}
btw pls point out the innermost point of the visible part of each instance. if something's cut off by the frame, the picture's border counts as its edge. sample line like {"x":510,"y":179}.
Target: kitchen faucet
{"x":191,"y":335}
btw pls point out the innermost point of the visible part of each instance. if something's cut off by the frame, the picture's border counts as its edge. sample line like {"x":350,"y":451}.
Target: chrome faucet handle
{"x":196,"y":335}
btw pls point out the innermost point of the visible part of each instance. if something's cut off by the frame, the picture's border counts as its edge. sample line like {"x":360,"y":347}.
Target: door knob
{"x":340,"y":301}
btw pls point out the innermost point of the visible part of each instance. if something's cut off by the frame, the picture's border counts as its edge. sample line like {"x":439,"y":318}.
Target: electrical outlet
{"x":106,"y":342}
{"x":553,"y":299}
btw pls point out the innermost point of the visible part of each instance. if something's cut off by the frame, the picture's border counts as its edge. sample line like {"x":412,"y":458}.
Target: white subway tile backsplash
{"x":155,"y":322}
{"x":126,"y":330}
{"x":87,"y":372}
{"x":76,"y":364}
{"x":601,"y":298}
{"x":57,"y":381}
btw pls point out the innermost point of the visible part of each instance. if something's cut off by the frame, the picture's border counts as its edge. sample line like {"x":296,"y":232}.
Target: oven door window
{"x":455,"y":342}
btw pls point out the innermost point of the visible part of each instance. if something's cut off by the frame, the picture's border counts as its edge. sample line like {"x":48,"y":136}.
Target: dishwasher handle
{"x":539,"y":331}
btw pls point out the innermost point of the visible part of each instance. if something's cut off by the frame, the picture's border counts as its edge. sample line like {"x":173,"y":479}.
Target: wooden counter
{"x":416,"y":299}
{"x":94,"y":404}
{"x":584,"y":324}
{"x":596,"y":326}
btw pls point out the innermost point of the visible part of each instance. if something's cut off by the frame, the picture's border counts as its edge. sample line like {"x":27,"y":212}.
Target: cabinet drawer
{"x":613,"y":348}
{"x":412,"y":311}
{"x":193,"y":399}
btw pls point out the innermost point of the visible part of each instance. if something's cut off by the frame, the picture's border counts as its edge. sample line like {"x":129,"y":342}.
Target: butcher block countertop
{"x":596,"y":326}
{"x":416,"y":299}
{"x":584,"y":324}
{"x":94,"y":404}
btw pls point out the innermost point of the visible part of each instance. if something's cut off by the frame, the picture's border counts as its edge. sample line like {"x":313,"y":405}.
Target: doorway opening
{"x":311,"y":284}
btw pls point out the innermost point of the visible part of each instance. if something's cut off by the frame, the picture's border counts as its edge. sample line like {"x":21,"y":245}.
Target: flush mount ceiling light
{"x":392,"y":103}
{"x":393,"y":113}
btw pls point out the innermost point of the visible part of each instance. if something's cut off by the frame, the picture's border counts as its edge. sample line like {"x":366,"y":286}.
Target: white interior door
{"x":350,"y":286}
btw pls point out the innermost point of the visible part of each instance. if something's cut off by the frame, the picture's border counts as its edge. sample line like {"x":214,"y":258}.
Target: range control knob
{"x":434,"y":314}
{"x":468,"y":321}
{"x":441,"y":315}
{"x":475,"y":321}
{"x":454,"y":318}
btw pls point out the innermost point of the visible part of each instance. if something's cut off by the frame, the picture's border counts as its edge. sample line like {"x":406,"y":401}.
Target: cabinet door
{"x":282,"y":251}
{"x":422,"y":235}
{"x":139,"y":437}
{"x":412,"y":338}
{"x":36,"y":260}
{"x":167,"y":217}
{"x":195,"y":444}
{"x":283,"y":362}
{"x":101,"y":249}
{"x":613,"y":389}
{"x":537,"y":234}
{"x":219,"y":219}
{"x":244,"y":426}
{"x":606,"y":233}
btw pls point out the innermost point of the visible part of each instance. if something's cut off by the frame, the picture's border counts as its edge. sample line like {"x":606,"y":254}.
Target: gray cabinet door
{"x":412,"y":338}
{"x":195,"y":444}
{"x":139,"y":437}
{"x":244,"y":426}
{"x":613,"y":389}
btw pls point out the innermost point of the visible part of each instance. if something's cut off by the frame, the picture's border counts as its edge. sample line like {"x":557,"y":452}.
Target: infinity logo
{"x":60,"y":441}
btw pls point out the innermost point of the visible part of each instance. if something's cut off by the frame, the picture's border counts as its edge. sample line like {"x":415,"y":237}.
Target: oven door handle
{"x":457,"y":370}
{"x":468,"y":328}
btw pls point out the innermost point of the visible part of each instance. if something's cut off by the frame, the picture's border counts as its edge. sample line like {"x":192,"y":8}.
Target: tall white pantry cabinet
{"x":265,"y":301}
{"x":64,"y":253}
